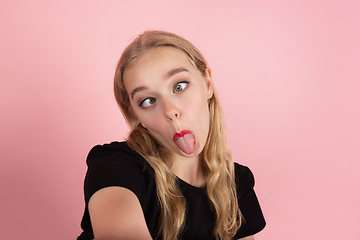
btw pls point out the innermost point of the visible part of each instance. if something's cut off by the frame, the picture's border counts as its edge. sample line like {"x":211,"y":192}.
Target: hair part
{"x":216,"y":157}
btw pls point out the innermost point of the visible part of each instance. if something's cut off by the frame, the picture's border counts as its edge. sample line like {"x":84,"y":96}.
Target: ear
{"x":209,"y":84}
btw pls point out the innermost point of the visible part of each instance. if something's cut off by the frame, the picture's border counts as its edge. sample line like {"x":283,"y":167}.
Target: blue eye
{"x":147,"y":102}
{"x":180,"y":86}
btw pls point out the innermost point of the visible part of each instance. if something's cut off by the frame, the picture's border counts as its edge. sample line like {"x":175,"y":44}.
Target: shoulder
{"x":112,"y":149}
{"x":248,"y":203}
{"x":115,"y":154}
{"x":244,"y":178}
{"x":116,"y":164}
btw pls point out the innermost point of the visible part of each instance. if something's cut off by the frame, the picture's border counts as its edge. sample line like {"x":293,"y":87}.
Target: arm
{"x":116,"y":214}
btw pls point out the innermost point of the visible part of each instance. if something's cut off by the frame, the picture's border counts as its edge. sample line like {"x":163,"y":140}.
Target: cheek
{"x":147,"y":122}
{"x":138,"y":114}
{"x":200,"y":115}
{"x":150,"y":121}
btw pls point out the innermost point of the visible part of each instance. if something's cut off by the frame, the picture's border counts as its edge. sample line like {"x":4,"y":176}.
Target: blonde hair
{"x":216,"y":158}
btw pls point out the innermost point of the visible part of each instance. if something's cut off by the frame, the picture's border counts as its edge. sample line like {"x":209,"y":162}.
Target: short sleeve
{"x":253,"y":219}
{"x":114,"y":164}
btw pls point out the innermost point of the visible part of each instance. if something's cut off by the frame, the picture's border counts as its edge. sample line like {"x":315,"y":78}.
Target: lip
{"x":182,"y":133}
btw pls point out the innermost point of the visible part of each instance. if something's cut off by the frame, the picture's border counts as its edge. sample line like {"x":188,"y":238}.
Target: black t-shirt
{"x":116,"y":164}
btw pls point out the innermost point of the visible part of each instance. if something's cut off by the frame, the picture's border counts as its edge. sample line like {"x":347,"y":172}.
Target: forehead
{"x":166,"y":56}
{"x":155,"y":63}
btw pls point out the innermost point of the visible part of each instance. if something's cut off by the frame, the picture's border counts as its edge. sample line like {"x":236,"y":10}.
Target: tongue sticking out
{"x":186,"y":143}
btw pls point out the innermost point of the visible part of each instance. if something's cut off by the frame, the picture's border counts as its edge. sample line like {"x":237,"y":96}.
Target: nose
{"x":171,"y":112}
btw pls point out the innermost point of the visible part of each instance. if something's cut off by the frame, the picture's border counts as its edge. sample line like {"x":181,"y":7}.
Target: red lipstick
{"x":182,"y":133}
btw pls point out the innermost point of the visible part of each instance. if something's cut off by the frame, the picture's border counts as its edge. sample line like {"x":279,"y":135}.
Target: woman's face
{"x":168,"y":95}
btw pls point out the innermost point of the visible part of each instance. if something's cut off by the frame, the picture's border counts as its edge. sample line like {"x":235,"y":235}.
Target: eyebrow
{"x":174,"y":71}
{"x":138,"y":89}
{"x":168,"y":75}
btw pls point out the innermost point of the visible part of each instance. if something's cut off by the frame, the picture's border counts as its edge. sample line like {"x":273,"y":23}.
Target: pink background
{"x":287,"y":72}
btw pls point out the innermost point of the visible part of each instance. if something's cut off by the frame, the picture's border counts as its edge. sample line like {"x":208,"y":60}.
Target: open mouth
{"x":185,"y":140}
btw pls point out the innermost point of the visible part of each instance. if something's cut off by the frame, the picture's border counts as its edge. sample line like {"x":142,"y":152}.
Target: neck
{"x":189,"y":170}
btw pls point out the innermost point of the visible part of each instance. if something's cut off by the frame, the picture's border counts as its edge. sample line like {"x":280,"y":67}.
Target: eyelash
{"x":154,"y":100}
{"x":178,"y":84}
{"x":145,"y":99}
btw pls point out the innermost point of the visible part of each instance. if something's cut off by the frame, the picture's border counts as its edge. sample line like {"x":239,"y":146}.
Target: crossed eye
{"x":180,"y":86}
{"x":149,"y":101}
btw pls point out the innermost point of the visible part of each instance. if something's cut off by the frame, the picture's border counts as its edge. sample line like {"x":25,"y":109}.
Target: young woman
{"x":174,"y":177}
